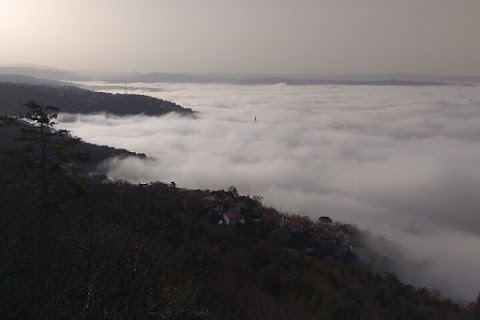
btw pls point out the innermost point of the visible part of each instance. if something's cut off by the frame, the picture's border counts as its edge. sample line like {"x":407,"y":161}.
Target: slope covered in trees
{"x":96,"y":154}
{"x":72,"y":99}
{"x":76,"y":246}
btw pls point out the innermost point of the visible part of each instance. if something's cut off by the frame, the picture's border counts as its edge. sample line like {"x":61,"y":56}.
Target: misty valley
{"x":331,"y":201}
{"x":398,"y":161}
{"x":239,"y":160}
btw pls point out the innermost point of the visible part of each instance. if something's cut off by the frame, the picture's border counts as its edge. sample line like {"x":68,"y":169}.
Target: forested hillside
{"x":76,"y":246}
{"x":72,"y":99}
{"x":96,"y":154}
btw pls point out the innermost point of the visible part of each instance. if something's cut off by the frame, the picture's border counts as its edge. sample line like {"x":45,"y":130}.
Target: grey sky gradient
{"x":247,"y":36}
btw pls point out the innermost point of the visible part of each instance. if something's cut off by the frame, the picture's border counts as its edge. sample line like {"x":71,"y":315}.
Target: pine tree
{"x":45,"y":150}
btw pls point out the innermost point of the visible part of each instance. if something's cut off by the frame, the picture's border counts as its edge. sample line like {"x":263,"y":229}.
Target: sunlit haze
{"x":261,"y":36}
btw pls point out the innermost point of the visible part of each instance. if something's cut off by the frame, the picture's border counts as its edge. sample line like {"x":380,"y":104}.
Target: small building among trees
{"x":232,"y":219}
{"x":325,"y":219}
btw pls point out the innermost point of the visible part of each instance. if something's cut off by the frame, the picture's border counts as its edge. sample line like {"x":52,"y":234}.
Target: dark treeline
{"x":76,"y":246}
{"x":96,"y":154}
{"x":76,"y":100}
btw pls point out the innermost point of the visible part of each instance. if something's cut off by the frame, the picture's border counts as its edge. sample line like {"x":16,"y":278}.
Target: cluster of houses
{"x":322,"y":238}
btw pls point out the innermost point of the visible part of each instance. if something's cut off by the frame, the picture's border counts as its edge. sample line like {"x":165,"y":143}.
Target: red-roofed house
{"x":356,"y":246}
{"x":231,"y":219}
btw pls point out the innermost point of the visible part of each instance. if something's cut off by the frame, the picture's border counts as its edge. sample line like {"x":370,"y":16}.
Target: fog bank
{"x":402,"y":162}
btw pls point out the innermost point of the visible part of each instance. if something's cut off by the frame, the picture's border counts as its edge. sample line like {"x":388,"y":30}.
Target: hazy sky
{"x":248,"y":36}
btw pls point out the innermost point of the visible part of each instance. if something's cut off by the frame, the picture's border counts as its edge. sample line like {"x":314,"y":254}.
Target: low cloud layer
{"x":402,"y":162}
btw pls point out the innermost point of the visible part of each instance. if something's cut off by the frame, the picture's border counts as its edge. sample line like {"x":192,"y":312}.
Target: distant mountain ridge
{"x":174,"y":77}
{"x":294,"y":82}
{"x":380,"y":79}
{"x":44,"y":73}
{"x":18,"y":78}
{"x":320,"y":79}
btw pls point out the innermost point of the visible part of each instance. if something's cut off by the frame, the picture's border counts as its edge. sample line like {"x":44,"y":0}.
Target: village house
{"x":283,"y":221}
{"x":356,"y":246}
{"x":232,"y":219}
